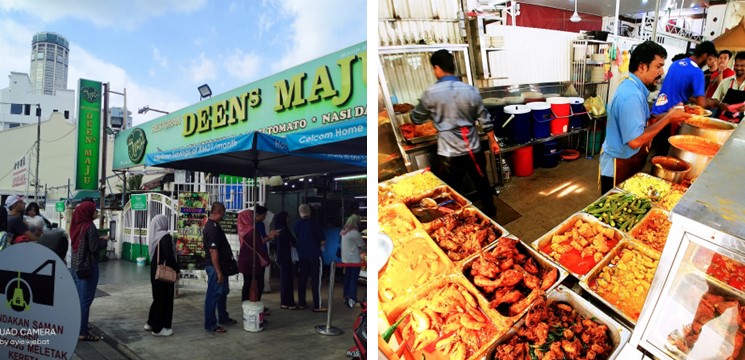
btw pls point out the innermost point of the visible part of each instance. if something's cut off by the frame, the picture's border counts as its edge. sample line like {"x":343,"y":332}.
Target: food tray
{"x":428,"y":291}
{"x":567,"y":225}
{"x":542,"y":262}
{"x":619,"y":335}
{"x":641,"y":175}
{"x":593,"y":274}
{"x":468,"y":211}
{"x":435,"y":194}
{"x":663,"y":202}
{"x":418,"y":184}
{"x":633,"y":234}
{"x":703,"y":258}
{"x":402,"y":277}
{"x":602,"y":199}
{"x":396,"y":230}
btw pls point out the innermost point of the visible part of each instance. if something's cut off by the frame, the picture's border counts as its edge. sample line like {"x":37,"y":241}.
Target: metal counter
{"x":708,"y":230}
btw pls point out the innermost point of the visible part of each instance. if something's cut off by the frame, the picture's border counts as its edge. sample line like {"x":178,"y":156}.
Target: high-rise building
{"x":49,"y":57}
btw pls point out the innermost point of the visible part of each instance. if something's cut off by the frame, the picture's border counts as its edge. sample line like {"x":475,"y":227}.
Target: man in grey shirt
{"x":455,"y":107}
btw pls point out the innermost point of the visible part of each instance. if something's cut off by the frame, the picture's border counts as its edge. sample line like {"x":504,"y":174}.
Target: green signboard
{"x":138,"y":202}
{"x":325,"y":91}
{"x":59,"y":206}
{"x":89,"y":134}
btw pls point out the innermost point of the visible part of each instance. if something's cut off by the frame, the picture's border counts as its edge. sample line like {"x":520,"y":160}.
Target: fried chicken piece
{"x":549,"y":279}
{"x":531,"y":281}
{"x":519,"y":306}
{"x":505,"y":296}
{"x":571,"y":348}
{"x":507,"y":278}
{"x":531,"y":267}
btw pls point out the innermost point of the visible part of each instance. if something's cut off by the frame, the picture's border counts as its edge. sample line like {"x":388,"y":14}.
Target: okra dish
{"x":620,"y":210}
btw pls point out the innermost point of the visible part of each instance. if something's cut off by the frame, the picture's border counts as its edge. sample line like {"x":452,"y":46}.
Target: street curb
{"x":121,"y":348}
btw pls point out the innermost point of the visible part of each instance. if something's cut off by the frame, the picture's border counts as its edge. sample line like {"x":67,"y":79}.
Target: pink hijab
{"x":245,"y":224}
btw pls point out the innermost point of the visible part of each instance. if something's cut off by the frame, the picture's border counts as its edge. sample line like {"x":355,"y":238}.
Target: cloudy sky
{"x":161,"y":51}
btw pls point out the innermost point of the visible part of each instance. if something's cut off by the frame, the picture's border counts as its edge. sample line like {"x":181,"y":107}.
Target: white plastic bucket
{"x":140,"y":261}
{"x":253,"y":316}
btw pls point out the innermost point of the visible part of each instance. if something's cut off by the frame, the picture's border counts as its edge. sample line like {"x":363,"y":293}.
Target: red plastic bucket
{"x":562,"y":110}
{"x":523,"y":161}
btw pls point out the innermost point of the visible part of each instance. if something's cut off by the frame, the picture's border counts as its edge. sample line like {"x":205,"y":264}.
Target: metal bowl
{"x":695,"y":150}
{"x":670,"y":169}
{"x":706,"y":127}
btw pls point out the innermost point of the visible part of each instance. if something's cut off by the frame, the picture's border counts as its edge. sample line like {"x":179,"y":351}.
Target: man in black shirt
{"x":215,"y":244}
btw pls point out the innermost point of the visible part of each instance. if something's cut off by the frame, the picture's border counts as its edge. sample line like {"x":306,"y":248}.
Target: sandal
{"x":219,"y":330}
{"x":302,"y":307}
{"x":89,"y":337}
{"x":288,"y":307}
{"x":320,"y":310}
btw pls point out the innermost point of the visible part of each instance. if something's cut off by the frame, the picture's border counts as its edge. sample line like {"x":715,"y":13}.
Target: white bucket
{"x":253,"y":316}
{"x":140,"y":261}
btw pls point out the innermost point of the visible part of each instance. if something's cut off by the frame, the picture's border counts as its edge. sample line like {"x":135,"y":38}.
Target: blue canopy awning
{"x":250,"y":155}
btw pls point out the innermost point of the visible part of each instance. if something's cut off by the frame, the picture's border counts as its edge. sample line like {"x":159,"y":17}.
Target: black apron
{"x":733,"y":96}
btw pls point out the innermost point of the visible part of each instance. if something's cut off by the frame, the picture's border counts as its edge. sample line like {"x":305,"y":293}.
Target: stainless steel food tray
{"x":619,"y":335}
{"x":595,"y":272}
{"x":432,"y":193}
{"x":428,"y":289}
{"x":613,"y":192}
{"x":421,"y":139}
{"x":540,"y":259}
{"x":467,"y":210}
{"x":643,"y":175}
{"x":568,"y":224}
{"x":635,"y":230}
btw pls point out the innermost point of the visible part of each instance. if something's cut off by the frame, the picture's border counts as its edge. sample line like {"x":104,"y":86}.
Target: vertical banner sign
{"x":89,"y":134}
{"x":191,"y":220}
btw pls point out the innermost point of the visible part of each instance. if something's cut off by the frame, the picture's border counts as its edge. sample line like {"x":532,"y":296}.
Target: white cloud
{"x":102,"y":13}
{"x":159,"y":59}
{"x":242,"y":66}
{"x":202,"y":69}
{"x":313,"y":23}
{"x":87,"y":66}
{"x":15,"y":40}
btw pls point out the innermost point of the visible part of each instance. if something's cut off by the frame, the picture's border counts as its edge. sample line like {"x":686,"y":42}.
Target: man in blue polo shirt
{"x":685,"y":82}
{"x":627,"y":138}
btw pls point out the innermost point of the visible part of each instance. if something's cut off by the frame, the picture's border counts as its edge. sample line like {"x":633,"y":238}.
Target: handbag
{"x":229,"y":267}
{"x":164,"y":272}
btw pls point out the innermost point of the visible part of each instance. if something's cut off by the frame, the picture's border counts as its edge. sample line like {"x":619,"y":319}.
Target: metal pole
{"x":38,"y":149}
{"x":656,"y":18}
{"x":126,"y":116}
{"x":327,"y":329}
{"x":104,"y":141}
{"x":617,"y":24}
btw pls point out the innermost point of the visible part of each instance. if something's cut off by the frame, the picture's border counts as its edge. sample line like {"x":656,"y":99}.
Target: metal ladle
{"x":429,"y":204}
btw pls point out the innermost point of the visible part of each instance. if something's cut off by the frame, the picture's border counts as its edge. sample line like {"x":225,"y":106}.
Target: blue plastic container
{"x":495,"y":108}
{"x":542,"y":116}
{"x":519,"y":128}
{"x":550,"y":154}
{"x":579,"y":113}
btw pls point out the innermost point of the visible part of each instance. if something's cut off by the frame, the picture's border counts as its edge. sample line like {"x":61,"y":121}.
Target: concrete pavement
{"x":123,"y":301}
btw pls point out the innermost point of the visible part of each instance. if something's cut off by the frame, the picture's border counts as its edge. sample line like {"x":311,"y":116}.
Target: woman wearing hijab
{"x":352,"y":245}
{"x":284,"y":258}
{"x":162,"y":251}
{"x":252,"y":257}
{"x":86,"y":244}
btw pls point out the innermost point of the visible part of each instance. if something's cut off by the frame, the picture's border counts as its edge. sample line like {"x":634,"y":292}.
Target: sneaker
{"x":163,"y":332}
{"x":350,"y":303}
{"x":148,"y":327}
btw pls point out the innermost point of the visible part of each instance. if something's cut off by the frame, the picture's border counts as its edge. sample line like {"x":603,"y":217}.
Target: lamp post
{"x":38,"y":149}
{"x":147,"y":108}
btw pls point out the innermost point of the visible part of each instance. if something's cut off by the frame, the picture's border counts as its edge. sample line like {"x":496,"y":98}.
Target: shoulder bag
{"x":164,"y":272}
{"x":229,"y":266}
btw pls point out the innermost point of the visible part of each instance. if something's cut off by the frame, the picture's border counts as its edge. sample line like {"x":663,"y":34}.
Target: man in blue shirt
{"x":685,"y":82}
{"x":627,"y":138}
{"x":455,"y":107}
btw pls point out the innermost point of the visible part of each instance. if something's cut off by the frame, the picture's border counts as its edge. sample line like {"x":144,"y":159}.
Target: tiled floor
{"x":550,"y":196}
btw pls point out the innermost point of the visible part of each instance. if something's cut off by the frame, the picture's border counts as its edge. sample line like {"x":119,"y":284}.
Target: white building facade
{"x":18,"y":103}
